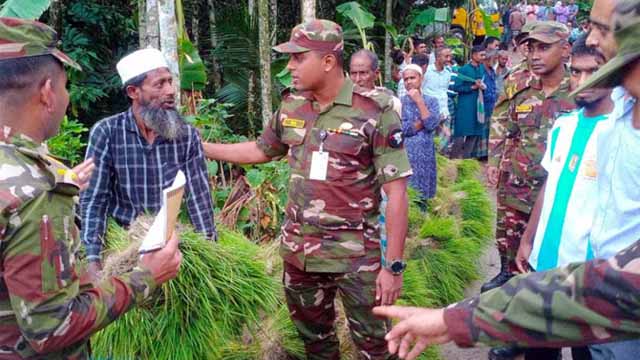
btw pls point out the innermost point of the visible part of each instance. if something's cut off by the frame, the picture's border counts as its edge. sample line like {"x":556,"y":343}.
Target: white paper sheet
{"x":165,"y":220}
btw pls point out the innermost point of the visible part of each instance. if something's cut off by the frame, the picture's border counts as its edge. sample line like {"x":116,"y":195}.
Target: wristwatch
{"x":396,"y":267}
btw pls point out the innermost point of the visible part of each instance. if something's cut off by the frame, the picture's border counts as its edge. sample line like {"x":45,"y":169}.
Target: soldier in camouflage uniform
{"x":342,"y":146}
{"x":46,"y":311}
{"x":521,"y":120}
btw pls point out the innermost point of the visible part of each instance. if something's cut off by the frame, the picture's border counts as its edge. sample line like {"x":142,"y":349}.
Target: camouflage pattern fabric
{"x":517,"y":80}
{"x":20,"y":38}
{"x":331,"y":234}
{"x":317,"y":34}
{"x":580,"y":304}
{"x":45,"y":310}
{"x":332,"y":226}
{"x":518,"y":138}
{"x":310,"y":297}
{"x":510,"y":225}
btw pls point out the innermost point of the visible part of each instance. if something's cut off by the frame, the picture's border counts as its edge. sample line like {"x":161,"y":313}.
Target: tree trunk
{"x":195,"y":23}
{"x":308,"y":10}
{"x":55,"y":16}
{"x":265,"y":59}
{"x":274,"y":24}
{"x":152,"y":36}
{"x":169,"y":40}
{"x":214,"y":43}
{"x":387,"y":42}
{"x":253,"y":79}
{"x":142,"y":23}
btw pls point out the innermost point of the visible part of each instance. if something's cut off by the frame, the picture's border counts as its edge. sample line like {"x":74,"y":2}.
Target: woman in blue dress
{"x":420,"y":118}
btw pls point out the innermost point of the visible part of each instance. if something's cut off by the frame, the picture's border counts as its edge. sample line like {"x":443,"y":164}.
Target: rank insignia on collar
{"x":395,"y":139}
{"x":294,"y":123}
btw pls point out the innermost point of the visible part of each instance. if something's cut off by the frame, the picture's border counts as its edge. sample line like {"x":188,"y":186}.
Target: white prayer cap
{"x":413,"y":67}
{"x":140,"y":62}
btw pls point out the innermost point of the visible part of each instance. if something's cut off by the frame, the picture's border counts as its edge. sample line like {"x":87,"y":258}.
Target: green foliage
{"x":360,"y":17}
{"x":68,"y":144}
{"x":193,"y":74}
{"x":24,"y":9}
{"x":97,"y":35}
{"x":441,"y":229}
{"x":428,"y":17}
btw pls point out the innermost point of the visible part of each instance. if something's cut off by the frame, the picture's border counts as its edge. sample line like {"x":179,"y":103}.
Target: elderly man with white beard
{"x":138,"y":153}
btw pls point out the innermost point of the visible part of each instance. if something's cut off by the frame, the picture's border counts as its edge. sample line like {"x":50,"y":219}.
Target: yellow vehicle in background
{"x":477,"y":18}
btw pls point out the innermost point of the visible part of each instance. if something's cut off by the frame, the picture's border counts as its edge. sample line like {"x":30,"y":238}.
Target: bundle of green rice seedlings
{"x":446,"y":201}
{"x":468,"y":169}
{"x":221,"y":288}
{"x":475,"y":203}
{"x":481,"y":232}
{"x":274,"y":338}
{"x":414,"y":287}
{"x":439,"y":228}
{"x":445,"y":271}
{"x":446,"y":170}
{"x":415,"y":215}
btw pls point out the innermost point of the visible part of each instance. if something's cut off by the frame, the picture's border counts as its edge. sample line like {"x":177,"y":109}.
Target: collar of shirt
{"x":8,"y":136}
{"x":623,"y":103}
{"x":536,"y":83}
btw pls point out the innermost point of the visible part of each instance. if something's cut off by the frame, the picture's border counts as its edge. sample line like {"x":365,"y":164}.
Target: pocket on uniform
{"x":345,"y":161}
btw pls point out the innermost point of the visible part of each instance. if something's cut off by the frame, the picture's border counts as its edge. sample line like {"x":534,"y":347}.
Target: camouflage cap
{"x":547,"y":32}
{"x":20,"y":38}
{"x":320,"y":35}
{"x":525,"y":30}
{"x":626,"y":27}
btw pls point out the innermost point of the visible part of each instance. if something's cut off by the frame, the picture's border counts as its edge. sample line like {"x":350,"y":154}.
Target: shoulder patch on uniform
{"x":395,"y":139}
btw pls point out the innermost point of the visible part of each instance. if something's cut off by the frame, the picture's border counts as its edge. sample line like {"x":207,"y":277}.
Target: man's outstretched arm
{"x":584,"y":303}
{"x":241,"y":153}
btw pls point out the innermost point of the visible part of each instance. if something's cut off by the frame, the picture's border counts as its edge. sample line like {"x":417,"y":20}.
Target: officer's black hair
{"x":580,"y":48}
{"x":22,"y":74}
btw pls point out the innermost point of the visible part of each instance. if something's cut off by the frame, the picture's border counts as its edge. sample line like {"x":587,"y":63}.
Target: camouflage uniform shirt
{"x":580,"y":304}
{"x":45,"y":312}
{"x":522,"y":118}
{"x":332,"y":225}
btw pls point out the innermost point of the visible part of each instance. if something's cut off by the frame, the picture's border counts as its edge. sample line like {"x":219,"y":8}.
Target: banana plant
{"x":361,"y":18}
{"x":24,"y":9}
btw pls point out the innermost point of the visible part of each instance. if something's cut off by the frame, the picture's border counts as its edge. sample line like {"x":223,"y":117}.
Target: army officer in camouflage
{"x":47,"y":310}
{"x":523,"y":116}
{"x":341,"y":146}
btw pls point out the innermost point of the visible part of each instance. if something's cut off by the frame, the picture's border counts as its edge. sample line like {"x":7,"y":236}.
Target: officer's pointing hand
{"x":164,"y":263}
{"x":418,"y":327}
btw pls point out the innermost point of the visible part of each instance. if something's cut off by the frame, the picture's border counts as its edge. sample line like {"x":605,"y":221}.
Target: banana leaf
{"x":24,"y":9}
{"x":193,"y":73}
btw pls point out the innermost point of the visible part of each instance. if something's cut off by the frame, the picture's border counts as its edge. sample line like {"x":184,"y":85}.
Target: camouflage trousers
{"x":510,"y":225}
{"x":310,"y":297}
